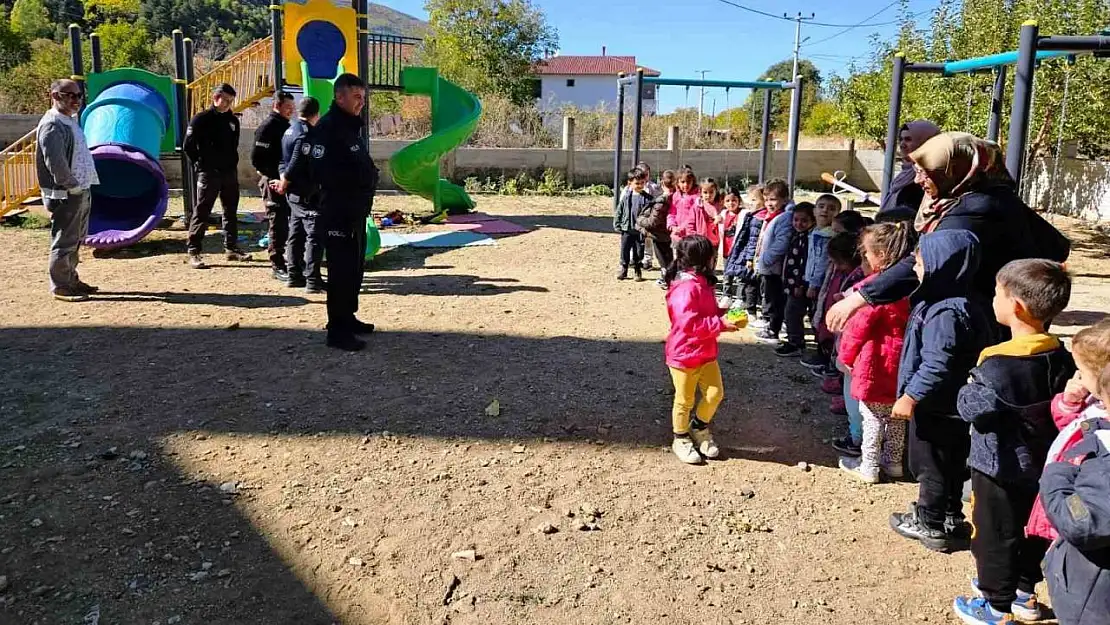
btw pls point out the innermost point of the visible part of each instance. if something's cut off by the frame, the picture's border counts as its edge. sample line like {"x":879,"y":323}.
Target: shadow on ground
{"x":444,"y":285}
{"x":1079,"y":318}
{"x":578,"y":223}
{"x":229,"y":300}
{"x":81,"y":399}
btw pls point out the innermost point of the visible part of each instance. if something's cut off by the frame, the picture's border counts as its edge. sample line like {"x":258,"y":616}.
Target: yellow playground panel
{"x":316,"y":44}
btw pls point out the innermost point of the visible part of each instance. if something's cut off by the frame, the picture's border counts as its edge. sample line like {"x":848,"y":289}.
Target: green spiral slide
{"x":455,"y":114}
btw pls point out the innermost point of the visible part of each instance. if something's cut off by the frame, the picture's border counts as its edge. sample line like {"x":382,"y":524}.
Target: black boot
{"x":623,"y":273}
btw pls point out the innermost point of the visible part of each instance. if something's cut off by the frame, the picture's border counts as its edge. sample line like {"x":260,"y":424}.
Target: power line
{"x":846,"y":30}
{"x":788,"y":19}
{"x":860,"y":25}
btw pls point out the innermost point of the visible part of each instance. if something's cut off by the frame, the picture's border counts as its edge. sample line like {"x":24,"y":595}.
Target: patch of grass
{"x":27,"y":221}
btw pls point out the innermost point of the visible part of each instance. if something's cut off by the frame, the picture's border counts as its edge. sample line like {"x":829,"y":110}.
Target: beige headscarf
{"x":957,"y":163}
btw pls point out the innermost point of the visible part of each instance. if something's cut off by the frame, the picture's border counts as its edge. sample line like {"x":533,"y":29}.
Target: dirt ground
{"x":183,"y":449}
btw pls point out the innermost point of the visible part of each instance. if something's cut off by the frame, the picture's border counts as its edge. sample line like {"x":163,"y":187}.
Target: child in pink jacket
{"x":687,"y":217}
{"x":691,"y":347}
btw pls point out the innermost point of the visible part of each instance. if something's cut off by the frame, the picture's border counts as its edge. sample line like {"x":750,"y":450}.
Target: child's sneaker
{"x":838,"y":407}
{"x":766,"y":336}
{"x":908,"y":525}
{"x":978,"y":611}
{"x":845,"y":446}
{"x":815,"y":362}
{"x":707,"y":447}
{"x":1025,"y":607}
{"x":683,"y":447}
{"x":833,"y":386}
{"x":855,"y":468}
{"x":788,"y":350}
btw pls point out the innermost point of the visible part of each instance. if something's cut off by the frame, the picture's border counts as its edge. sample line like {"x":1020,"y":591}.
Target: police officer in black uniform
{"x":348,"y":178}
{"x":266,"y":158}
{"x":305,"y":250}
{"x":212,"y":143}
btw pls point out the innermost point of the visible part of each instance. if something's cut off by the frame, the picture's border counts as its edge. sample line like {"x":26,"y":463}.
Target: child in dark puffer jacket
{"x":947,"y":330}
{"x":1007,"y":400}
{"x":740,"y":279}
{"x":1072,"y":510}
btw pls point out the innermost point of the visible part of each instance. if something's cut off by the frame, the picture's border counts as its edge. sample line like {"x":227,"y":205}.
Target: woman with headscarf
{"x":905,"y":195}
{"x":966,"y":187}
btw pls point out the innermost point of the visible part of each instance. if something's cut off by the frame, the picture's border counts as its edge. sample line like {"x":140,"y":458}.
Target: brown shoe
{"x":237,"y":255}
{"x":197,"y":262}
{"x":70,"y":295}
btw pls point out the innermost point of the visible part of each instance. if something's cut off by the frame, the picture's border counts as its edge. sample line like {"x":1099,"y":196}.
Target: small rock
{"x":150,"y":485}
{"x":3,"y":583}
{"x":493,"y":409}
{"x":39,"y":591}
{"x":747,"y":493}
{"x":589,"y":510}
{"x":794,"y":603}
{"x":355,"y":561}
{"x":349,"y":522}
{"x":173,"y":620}
{"x":519,"y":449}
{"x":234,"y":326}
{"x":465,"y":554}
{"x":804,"y":466}
{"x":198,"y":576}
{"x":138,"y":454}
{"x":223,"y":573}
{"x":206,"y":566}
{"x":127,"y":531}
{"x":546,"y":528}
{"x":36,"y":522}
{"x":229,"y":488}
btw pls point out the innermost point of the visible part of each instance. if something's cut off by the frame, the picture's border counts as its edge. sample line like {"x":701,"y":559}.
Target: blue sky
{"x":678,"y":38}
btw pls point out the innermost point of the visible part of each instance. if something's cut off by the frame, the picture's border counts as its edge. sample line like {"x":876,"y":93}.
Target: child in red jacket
{"x":871,"y":346}
{"x":691,"y":347}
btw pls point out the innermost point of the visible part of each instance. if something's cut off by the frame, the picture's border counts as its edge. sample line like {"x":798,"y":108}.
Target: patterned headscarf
{"x":957,"y":163}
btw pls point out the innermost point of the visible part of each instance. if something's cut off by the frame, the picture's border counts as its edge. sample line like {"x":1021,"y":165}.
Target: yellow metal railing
{"x":20,"y":178}
{"x":249,"y":71}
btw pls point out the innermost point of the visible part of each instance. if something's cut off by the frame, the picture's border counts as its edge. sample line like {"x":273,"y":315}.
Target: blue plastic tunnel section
{"x":124,"y":127}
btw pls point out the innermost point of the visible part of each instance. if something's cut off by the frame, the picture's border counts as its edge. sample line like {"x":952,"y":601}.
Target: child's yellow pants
{"x":686,"y":384}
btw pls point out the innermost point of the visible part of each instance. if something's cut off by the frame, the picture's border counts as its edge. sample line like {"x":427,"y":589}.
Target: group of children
{"x":1023,"y":417}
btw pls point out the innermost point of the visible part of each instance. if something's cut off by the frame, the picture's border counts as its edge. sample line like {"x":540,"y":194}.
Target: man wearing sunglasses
{"x":66,"y":172}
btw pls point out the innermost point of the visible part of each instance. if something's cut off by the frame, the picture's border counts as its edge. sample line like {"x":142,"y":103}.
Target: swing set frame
{"x":1032,"y":48}
{"x":637,"y":82}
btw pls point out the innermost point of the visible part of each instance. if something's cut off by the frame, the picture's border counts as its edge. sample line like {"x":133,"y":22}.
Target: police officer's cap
{"x":225,"y":89}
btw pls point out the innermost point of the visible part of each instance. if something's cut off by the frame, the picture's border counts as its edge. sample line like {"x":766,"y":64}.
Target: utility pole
{"x":701,"y":97}
{"x":798,"y":41}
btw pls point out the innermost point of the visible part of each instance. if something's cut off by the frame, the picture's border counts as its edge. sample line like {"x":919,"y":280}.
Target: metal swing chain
{"x":1060,"y":135}
{"x":967,"y":115}
{"x":728,"y":137}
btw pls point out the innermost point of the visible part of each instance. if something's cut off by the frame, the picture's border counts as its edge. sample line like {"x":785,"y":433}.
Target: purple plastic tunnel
{"x":124,"y":127}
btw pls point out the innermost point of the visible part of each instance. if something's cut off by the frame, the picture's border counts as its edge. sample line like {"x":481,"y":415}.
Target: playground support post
{"x":994,"y":123}
{"x":637,"y":125}
{"x":97,"y":58}
{"x":76,"y":59}
{"x":275,"y":32}
{"x":1023,"y":100}
{"x":765,"y":137}
{"x":620,"y":142}
{"x":362,"y":7}
{"x":894,"y":114}
{"x":181,"y":63}
{"x":795,"y":127}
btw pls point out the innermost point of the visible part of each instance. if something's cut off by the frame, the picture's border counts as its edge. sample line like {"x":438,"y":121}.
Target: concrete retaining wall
{"x":1081,"y":188}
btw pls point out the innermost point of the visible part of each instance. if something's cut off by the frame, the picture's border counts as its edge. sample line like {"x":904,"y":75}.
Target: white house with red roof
{"x":588,"y":82}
